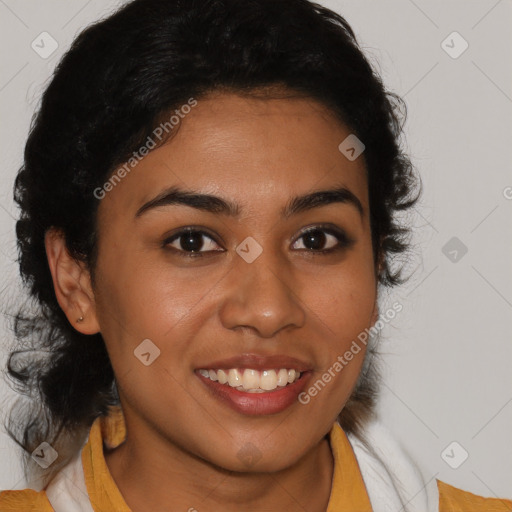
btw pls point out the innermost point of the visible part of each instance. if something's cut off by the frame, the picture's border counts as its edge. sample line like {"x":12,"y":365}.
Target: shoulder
{"x":26,"y":500}
{"x":452,"y":499}
{"x":389,"y":471}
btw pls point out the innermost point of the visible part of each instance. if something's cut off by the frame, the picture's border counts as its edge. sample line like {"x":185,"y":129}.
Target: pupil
{"x":192,"y":241}
{"x":314,"y":239}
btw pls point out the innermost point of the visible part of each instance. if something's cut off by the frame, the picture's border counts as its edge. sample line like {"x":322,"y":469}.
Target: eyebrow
{"x":214,"y":204}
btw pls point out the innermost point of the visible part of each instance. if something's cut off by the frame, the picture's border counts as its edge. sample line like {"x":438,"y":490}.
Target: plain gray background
{"x":448,"y":353}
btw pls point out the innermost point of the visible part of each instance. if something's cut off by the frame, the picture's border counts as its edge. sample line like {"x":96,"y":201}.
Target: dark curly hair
{"x":110,"y":90}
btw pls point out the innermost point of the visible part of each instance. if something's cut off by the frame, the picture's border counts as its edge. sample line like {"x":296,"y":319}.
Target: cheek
{"x":344,"y":301}
{"x":147,"y":321}
{"x":342,"y":306}
{"x":145,"y":298}
{"x":343,"y":315}
{"x":168,"y":308}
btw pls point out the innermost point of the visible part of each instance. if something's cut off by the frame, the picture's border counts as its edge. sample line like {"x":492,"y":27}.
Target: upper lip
{"x":258,"y":362}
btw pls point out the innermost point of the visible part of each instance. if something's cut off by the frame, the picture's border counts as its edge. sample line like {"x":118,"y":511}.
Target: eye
{"x":191,"y":243}
{"x":323,"y":240}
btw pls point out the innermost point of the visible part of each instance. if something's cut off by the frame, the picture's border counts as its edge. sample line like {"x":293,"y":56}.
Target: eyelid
{"x":327,"y":228}
{"x":344,"y":241}
{"x":179,"y":232}
{"x":176,"y":233}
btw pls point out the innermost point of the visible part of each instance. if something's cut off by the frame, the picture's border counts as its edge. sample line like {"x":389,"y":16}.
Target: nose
{"x":261,"y":296}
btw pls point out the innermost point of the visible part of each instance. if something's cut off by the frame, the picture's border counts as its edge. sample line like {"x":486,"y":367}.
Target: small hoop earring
{"x":81,"y":319}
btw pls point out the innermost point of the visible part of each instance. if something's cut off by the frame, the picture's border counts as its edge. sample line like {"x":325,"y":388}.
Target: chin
{"x":250,"y":459}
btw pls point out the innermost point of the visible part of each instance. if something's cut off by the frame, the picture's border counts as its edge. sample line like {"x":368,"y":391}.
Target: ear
{"x":72,"y":284}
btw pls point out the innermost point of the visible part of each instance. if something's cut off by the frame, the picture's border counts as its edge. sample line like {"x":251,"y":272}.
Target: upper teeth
{"x":253,"y":380}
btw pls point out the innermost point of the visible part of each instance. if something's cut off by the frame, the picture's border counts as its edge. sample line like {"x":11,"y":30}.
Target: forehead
{"x":255,"y":151}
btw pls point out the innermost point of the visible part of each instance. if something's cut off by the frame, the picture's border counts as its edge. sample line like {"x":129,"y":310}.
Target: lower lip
{"x":254,"y":404}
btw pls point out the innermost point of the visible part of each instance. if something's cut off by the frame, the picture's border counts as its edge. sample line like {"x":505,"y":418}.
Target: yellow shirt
{"x":348,"y":491}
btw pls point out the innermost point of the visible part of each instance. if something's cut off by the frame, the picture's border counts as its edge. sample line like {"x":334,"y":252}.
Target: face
{"x":252,"y":280}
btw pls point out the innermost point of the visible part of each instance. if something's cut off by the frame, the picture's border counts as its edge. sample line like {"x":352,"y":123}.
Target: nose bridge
{"x":261,"y":294}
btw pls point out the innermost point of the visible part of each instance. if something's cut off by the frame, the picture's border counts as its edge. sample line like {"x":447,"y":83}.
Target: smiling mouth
{"x":253,"y":381}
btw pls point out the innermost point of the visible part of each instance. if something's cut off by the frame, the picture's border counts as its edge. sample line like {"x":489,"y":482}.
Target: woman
{"x":208,"y":207}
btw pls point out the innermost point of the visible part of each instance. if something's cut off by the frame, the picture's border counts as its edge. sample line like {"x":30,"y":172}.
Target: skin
{"x":182,"y":444}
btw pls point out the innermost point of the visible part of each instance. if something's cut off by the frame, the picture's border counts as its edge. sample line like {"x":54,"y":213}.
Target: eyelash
{"x":344,"y":241}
